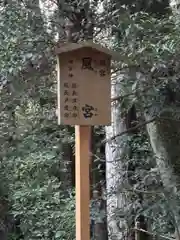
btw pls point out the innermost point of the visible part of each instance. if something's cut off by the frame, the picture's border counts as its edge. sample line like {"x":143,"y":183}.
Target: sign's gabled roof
{"x":68,"y":47}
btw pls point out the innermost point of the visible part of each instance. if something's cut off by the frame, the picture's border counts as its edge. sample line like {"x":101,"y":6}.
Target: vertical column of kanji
{"x":70,"y":95}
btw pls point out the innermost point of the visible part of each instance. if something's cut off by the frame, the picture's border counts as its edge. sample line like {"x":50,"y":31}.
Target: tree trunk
{"x":165,"y":137}
{"x":115,"y":152}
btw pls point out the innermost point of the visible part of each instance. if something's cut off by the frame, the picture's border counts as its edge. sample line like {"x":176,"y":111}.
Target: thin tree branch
{"x":130,"y":130}
{"x":120,"y":98}
{"x":152,"y":234}
{"x":138,"y":126}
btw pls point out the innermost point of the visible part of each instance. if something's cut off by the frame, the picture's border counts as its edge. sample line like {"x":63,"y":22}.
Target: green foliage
{"x":34,"y":173}
{"x":149,"y":78}
{"x":37,"y":198}
{"x":20,"y":44}
{"x":150,"y":48}
{"x":31,"y":143}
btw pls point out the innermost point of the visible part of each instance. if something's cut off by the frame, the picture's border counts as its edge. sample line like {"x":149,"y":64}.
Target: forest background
{"x":135,"y":170}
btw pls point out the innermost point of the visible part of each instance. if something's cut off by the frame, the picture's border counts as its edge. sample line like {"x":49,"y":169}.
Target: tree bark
{"x":165,"y":137}
{"x":115,"y":152}
{"x":164,"y":140}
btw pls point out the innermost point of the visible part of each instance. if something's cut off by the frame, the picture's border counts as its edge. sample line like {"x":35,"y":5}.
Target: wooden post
{"x":83,"y":72}
{"x":82,"y":152}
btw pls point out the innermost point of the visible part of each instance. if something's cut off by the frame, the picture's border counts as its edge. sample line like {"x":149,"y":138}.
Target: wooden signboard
{"x":84,"y":100}
{"x":84,"y":88}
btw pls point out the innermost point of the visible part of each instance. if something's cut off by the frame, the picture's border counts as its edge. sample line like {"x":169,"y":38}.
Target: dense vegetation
{"x":37,"y":156}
